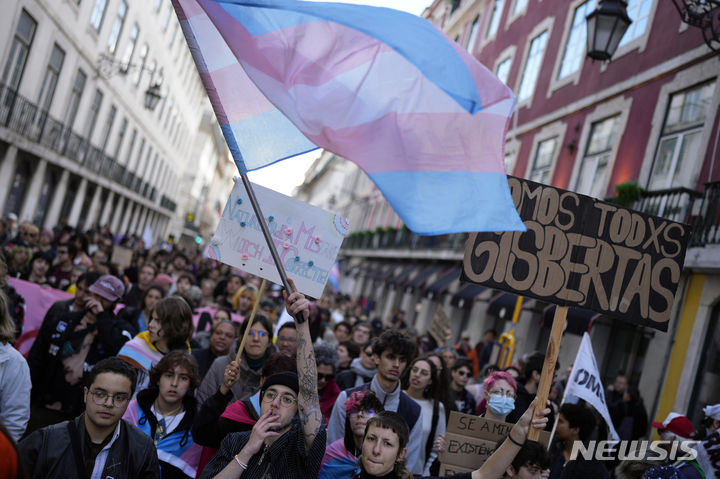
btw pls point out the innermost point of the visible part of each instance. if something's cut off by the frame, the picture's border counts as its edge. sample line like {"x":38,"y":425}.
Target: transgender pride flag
{"x":382,"y":88}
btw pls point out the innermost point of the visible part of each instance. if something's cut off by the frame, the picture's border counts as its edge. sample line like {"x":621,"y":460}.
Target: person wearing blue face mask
{"x":500,"y":389}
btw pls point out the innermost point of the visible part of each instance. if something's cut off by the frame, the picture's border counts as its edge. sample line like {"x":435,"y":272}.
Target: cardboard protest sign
{"x":580,"y":251}
{"x":585,"y":383}
{"x":307,"y":238}
{"x":121,"y":256}
{"x":439,"y":326}
{"x":470,"y":440}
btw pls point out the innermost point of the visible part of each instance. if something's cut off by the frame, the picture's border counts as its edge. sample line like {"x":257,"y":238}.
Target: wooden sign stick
{"x":548,"y":371}
{"x":252,"y":317}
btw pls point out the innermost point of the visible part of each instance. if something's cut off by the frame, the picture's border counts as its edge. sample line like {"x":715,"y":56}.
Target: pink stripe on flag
{"x":414,"y":141}
{"x":241,"y":98}
{"x":315,"y":61}
{"x":487,"y":84}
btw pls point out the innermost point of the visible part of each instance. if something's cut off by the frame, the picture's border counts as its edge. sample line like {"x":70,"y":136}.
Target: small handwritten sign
{"x":440,"y":326}
{"x":307,"y":238}
{"x":470,"y":440}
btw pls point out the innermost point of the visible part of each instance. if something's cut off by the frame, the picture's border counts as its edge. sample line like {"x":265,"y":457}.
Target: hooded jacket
{"x":357,"y":375}
{"x":245,"y":386}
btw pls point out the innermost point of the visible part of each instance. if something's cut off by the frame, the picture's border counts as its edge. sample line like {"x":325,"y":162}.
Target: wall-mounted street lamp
{"x":705,"y":15}
{"x":605,"y":28}
{"x":108,"y":66}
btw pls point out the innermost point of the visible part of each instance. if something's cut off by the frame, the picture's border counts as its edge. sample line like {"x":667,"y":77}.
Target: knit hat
{"x":285,"y":378}
{"x":109,"y":287}
{"x":712,"y":411}
{"x":676,"y":424}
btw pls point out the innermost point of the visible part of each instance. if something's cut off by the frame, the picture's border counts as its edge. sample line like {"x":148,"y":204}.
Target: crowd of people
{"x":140,"y":374}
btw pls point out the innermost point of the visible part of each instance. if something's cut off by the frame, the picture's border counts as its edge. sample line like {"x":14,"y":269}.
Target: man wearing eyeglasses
{"x":288,"y":440}
{"x":98,"y":443}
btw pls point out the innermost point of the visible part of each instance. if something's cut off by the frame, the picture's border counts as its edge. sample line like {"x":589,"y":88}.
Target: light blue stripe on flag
{"x":466,"y":201}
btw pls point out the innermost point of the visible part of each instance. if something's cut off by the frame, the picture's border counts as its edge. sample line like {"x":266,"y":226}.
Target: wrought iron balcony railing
{"x":20,"y":115}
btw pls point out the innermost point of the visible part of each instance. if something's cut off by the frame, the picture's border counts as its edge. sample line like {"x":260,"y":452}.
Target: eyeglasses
{"x":117,"y":400}
{"x":508,"y":394}
{"x":423,"y":372}
{"x":286,"y":400}
{"x":285,"y":339}
{"x":364,"y":412}
{"x":326,"y":377}
{"x":260,"y":334}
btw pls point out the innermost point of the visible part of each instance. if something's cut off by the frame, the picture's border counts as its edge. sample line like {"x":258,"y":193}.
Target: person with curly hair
{"x":392,"y":352}
{"x":166,"y":410}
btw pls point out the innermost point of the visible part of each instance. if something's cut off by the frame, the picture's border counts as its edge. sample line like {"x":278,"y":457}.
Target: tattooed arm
{"x":308,"y":401}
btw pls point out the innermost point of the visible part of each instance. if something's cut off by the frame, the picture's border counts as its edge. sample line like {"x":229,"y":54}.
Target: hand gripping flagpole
{"x":268,"y":238}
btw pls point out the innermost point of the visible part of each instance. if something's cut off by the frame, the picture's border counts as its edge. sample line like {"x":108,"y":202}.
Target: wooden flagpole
{"x":548,"y":371}
{"x":250,"y":321}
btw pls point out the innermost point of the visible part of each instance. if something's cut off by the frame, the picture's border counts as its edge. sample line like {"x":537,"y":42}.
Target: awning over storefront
{"x":387,"y":271}
{"x":422,"y":276}
{"x":578,"y":320}
{"x":402,"y":274}
{"x":466,"y":294}
{"x":441,"y":284}
{"x":502,"y":305}
{"x":378,"y":268}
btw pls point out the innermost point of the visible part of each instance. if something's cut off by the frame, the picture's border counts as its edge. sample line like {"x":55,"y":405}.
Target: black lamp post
{"x":152,"y":96}
{"x":109,"y":66}
{"x":605,"y":28}
{"x":705,"y":15}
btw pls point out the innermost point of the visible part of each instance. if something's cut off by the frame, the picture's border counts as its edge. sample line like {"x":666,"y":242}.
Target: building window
{"x":19,"y":50}
{"x":519,"y":6}
{"x":532,"y":66}
{"x":639,"y":12}
{"x":141,"y":63}
{"x":575,"y":47}
{"x":117,"y":27}
{"x":120,"y":138}
{"x":497,"y":7}
{"x":473,"y":34}
{"x":503,"y":70}
{"x":166,"y":18}
{"x":93,"y":114}
{"x":96,"y":17}
{"x":133,"y":137}
{"x":109,"y":121}
{"x":47,"y":90}
{"x":130,"y":47}
{"x":544,"y":155}
{"x":592,"y":180}
{"x":75,"y":96}
{"x":678,"y":154}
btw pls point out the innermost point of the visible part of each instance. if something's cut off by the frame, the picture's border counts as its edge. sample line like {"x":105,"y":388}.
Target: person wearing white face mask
{"x":500,"y":389}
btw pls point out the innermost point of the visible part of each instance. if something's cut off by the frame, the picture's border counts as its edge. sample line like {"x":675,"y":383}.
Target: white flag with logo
{"x":585,"y":383}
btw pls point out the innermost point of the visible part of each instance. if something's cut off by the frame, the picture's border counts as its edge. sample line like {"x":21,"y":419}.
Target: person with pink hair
{"x":500,"y":389}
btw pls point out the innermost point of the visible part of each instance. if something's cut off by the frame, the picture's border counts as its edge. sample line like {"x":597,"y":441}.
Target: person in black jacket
{"x":576,"y":422}
{"x":527,"y":388}
{"x":62,"y":355}
{"x":98,"y":443}
{"x":165,"y":411}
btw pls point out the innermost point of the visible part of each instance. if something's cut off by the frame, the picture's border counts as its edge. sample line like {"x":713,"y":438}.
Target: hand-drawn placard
{"x":307,"y":238}
{"x":580,"y":251}
{"x":439,"y":327}
{"x":121,"y":256}
{"x":470,"y":440}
